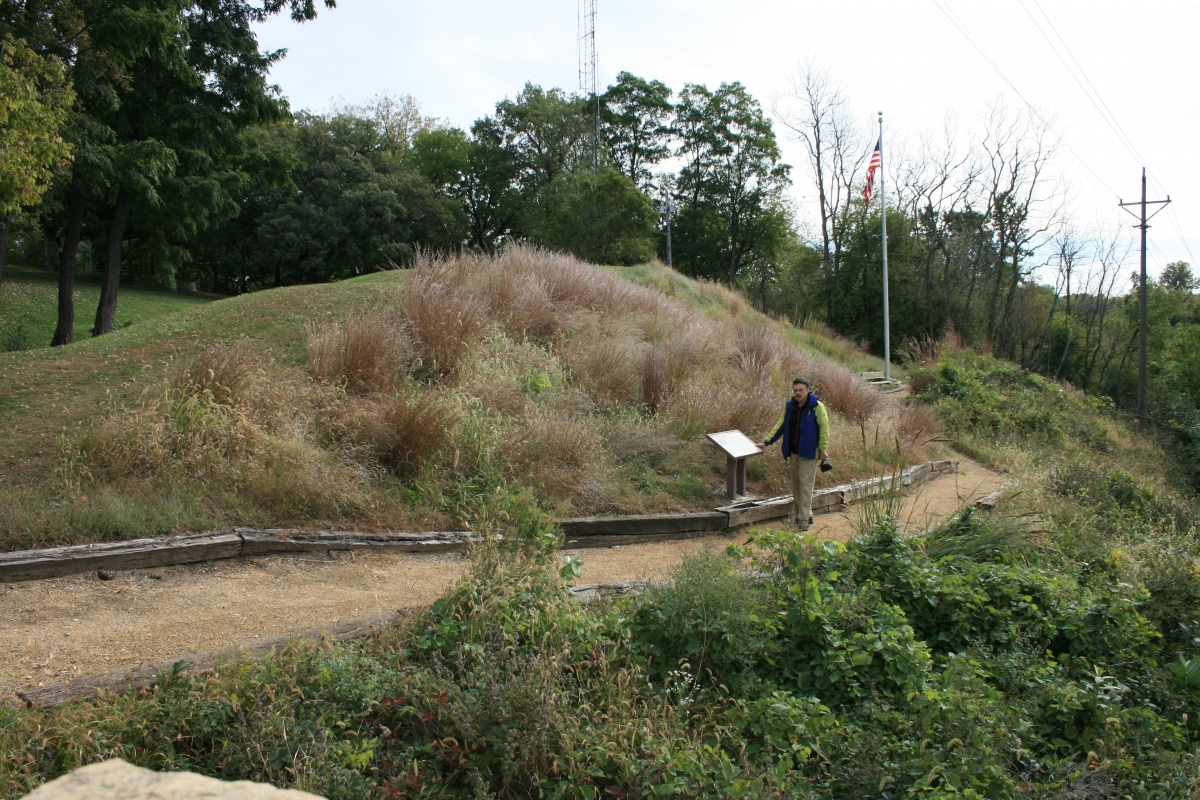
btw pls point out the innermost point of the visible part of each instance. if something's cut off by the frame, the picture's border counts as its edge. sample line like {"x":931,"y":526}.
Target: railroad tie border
{"x":579,"y":532}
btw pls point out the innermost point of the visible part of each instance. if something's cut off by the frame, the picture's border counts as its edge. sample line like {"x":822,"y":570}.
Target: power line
{"x":950,"y":15}
{"x":1174,"y":217}
{"x":1094,"y":96}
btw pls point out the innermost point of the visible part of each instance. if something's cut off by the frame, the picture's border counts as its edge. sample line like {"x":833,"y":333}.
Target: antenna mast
{"x":587,"y":70}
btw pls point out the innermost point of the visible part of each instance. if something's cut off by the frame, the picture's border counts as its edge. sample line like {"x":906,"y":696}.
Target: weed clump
{"x":370,"y":352}
{"x":224,"y":425}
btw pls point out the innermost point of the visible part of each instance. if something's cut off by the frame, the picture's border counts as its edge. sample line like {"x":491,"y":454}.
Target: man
{"x":804,"y":428}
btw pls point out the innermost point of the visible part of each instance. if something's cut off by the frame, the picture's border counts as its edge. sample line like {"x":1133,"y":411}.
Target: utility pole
{"x":1142,"y":220}
{"x":887,"y":316}
{"x":666,"y":210}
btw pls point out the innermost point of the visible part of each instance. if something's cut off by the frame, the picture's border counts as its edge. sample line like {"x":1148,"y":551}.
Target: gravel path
{"x":64,"y":628}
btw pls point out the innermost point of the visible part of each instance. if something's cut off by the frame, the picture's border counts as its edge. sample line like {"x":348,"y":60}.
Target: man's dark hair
{"x":807,"y":385}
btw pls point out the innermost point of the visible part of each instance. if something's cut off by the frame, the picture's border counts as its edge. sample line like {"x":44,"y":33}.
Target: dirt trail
{"x":60,"y":629}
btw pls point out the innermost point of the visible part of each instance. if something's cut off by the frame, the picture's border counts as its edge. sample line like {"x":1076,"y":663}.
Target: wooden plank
{"x":827,"y":500}
{"x":824,"y":501}
{"x":750,"y":513}
{"x":640,"y":525}
{"x":589,"y":592}
{"x":992,"y":498}
{"x":917,"y":475}
{"x":138,"y":677}
{"x":944,"y":466}
{"x":260,"y":542}
{"x":136,"y":554}
{"x":869,"y":375}
{"x":624,"y":539}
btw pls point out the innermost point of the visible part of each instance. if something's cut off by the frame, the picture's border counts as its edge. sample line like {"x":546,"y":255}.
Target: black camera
{"x":825,"y":465}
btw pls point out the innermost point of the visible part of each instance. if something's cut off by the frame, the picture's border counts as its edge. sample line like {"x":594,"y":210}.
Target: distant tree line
{"x":165,"y":155}
{"x":141,"y":111}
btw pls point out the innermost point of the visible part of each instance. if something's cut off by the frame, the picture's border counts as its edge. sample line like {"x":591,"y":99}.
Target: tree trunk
{"x":1066,"y":349}
{"x":50,"y":250}
{"x":106,"y":310}
{"x":4,"y":244}
{"x":1011,"y":294}
{"x":64,"y":333}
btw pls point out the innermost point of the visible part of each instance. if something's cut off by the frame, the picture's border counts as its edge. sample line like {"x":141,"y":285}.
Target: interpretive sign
{"x":735,"y":444}
{"x":737,"y":448}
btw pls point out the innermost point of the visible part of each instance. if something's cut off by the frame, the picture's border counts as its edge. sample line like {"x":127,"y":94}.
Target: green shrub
{"x":844,"y":647}
{"x":708,"y":617}
{"x":999,"y":400}
{"x":1171,"y":575}
{"x":958,"y":738}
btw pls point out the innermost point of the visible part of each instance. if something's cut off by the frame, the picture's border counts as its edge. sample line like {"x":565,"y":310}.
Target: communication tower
{"x":587,"y":71}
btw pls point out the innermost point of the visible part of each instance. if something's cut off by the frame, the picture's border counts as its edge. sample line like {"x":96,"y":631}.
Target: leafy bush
{"x":707,"y":619}
{"x":1000,"y":400}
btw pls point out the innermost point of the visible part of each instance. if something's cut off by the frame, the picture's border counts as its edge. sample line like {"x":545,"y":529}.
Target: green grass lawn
{"x":29,"y":306}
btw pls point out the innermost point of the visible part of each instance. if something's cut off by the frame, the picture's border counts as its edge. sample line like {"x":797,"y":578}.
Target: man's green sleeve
{"x":822,"y":429}
{"x":778,"y":429}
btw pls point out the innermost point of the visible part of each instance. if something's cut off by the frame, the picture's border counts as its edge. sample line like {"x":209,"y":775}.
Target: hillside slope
{"x":425,"y":397}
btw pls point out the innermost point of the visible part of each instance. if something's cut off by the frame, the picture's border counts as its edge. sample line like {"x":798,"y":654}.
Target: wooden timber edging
{"x":577,"y":533}
{"x":55,"y":562}
{"x":992,"y":498}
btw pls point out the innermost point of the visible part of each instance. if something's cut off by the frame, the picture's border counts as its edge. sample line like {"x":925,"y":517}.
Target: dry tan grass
{"x":606,"y":358}
{"x":371,"y":352}
{"x":443,"y":316}
{"x":918,"y":428}
{"x":225,"y":371}
{"x":562,"y":457}
{"x":529,"y":368}
{"x":262,"y":449}
{"x":819,"y":327}
{"x":404,"y":430}
{"x":703,"y":406}
{"x":846,"y":391}
{"x":656,"y":384}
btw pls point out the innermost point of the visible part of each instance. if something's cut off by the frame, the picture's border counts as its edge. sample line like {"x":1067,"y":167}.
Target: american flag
{"x":876,"y":160}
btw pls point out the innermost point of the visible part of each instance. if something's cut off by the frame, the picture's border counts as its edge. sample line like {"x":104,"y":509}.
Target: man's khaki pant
{"x":803,"y":472}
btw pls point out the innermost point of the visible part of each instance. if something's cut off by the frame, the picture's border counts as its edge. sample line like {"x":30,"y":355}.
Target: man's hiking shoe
{"x":801,"y":524}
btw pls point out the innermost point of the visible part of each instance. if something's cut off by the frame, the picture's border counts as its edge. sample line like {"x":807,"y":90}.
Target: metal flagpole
{"x":887,"y":323}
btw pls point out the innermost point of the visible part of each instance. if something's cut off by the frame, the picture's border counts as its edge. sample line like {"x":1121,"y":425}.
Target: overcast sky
{"x":907,"y":59}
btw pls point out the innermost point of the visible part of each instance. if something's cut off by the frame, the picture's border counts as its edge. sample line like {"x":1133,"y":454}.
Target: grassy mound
{"x":417,"y":399}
